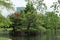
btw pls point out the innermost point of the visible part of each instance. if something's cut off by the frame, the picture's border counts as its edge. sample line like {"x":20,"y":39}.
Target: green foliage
{"x":30,"y":8}
{"x":4,"y":21}
{"x":27,"y":18}
{"x":35,"y":21}
{"x":51,"y":20}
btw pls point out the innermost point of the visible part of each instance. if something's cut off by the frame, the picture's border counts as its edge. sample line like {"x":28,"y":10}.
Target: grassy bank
{"x":3,"y":38}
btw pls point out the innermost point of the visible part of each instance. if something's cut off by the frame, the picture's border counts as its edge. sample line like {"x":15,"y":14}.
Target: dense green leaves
{"x":29,"y":18}
{"x":4,"y":21}
{"x":30,"y":8}
{"x":51,"y":20}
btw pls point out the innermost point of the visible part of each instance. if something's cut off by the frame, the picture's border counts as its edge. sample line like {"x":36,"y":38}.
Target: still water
{"x":47,"y":36}
{"x":29,"y":38}
{"x":38,"y":37}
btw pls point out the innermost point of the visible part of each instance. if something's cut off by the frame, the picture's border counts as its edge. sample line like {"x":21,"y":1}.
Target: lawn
{"x":3,"y":38}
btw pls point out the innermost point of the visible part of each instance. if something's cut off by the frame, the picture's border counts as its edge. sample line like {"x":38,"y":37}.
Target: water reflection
{"x":47,"y":36}
{"x":30,"y":38}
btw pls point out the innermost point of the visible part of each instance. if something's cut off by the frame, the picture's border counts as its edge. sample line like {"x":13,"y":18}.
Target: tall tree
{"x":51,"y":20}
{"x":28,"y":21}
{"x":30,"y":8}
{"x":27,"y":18}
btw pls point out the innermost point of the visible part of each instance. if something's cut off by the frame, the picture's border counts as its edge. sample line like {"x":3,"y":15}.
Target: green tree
{"x":30,"y":8}
{"x":51,"y":20}
{"x":28,"y":15}
{"x":27,"y":21}
{"x":14,"y":18}
{"x":4,"y":22}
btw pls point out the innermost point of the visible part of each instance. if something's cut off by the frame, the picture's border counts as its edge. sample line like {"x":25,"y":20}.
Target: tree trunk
{"x":28,"y":26}
{"x":13,"y":31}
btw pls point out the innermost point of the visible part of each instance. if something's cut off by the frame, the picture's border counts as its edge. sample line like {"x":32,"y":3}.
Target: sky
{"x":19,"y":3}
{"x":22,"y":3}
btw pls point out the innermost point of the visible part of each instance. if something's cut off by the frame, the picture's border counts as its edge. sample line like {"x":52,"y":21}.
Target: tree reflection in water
{"x":38,"y":37}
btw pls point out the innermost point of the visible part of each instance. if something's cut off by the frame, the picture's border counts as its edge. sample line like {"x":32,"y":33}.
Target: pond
{"x":38,"y":37}
{"x":47,"y":36}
